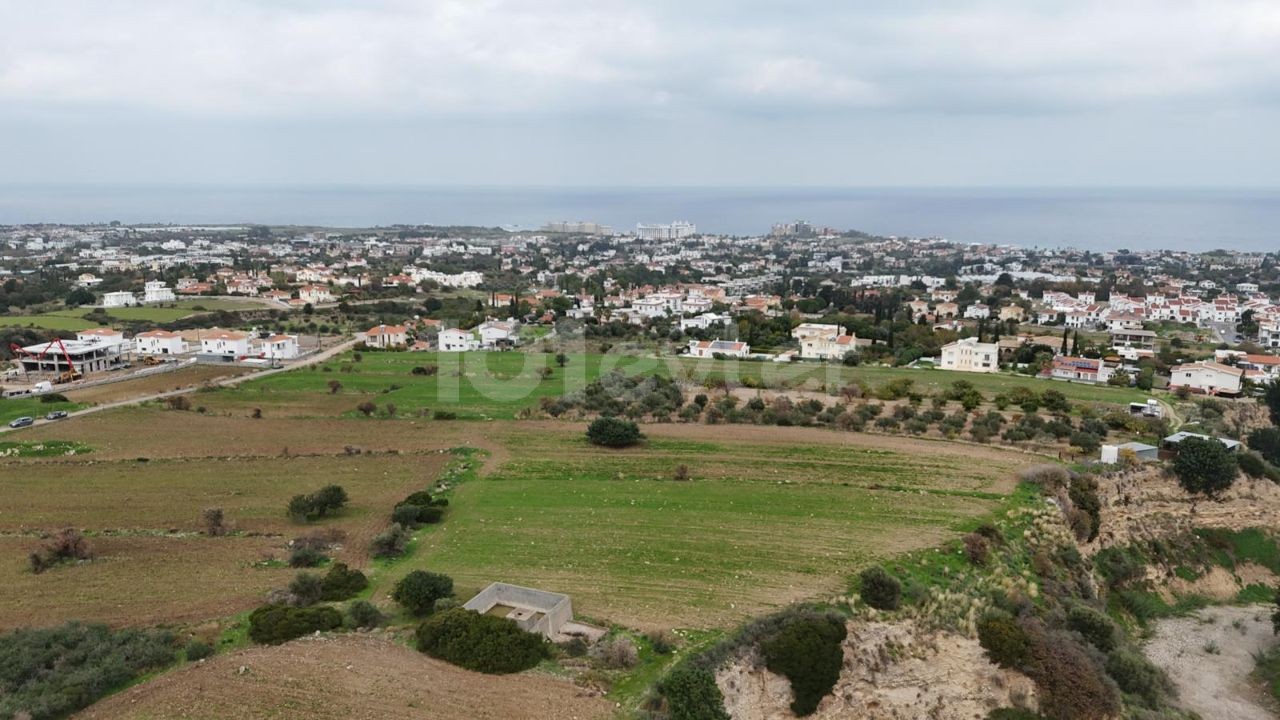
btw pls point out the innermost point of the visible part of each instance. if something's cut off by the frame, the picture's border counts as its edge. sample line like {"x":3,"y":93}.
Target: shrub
{"x":305,"y":557}
{"x":53,"y":398}
{"x":662,"y":641}
{"x":341,"y":582}
{"x":306,"y":589}
{"x":327,"y":499}
{"x":1252,"y":464}
{"x":480,"y":642}
{"x":1049,"y":477}
{"x":1071,"y":685}
{"x":617,"y":653}
{"x":692,"y":694}
{"x":1137,"y":676}
{"x":444,"y":415}
{"x":66,"y":545}
{"x":367,"y":408}
{"x":681,"y":473}
{"x":879,"y":589}
{"x":419,"y":590}
{"x":198,"y":650}
{"x":214,"y":522}
{"x":1006,"y":643}
{"x":1204,"y":466}
{"x":364,"y":614}
{"x":808,"y":652}
{"x":52,"y":672}
{"x":613,"y":432}
{"x":1096,"y":627}
{"x":977,"y":548}
{"x":275,"y":624}
{"x":412,"y":515}
{"x":389,"y":542}
{"x":1266,"y":442}
{"x":1083,"y":493}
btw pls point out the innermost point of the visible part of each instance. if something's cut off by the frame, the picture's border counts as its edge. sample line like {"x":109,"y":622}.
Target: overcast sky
{"x":641,"y":92}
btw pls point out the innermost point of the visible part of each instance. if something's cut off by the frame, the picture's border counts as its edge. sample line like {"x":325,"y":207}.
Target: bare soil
{"x":154,"y":383}
{"x":1209,"y":656}
{"x":350,"y":676}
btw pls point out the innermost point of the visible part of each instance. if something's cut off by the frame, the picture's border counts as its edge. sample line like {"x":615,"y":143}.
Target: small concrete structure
{"x":1141,"y":452}
{"x":535,"y":611}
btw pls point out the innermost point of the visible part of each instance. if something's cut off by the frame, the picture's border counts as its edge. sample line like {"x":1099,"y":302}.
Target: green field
{"x":757,"y":526}
{"x":481,"y":385}
{"x":11,"y":408}
{"x":474,"y":385}
{"x":74,"y":318}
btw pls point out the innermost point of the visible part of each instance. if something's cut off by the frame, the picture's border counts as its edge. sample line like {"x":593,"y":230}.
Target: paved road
{"x":225,"y":382}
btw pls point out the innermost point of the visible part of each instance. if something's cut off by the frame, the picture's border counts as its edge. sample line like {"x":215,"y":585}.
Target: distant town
{"x":1205,"y":323}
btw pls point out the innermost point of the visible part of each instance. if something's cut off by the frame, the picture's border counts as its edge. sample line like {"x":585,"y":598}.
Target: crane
{"x":69,"y":375}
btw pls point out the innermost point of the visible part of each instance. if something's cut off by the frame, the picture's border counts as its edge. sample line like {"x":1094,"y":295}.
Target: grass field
{"x":74,"y":318}
{"x":498,"y":385}
{"x":474,"y":385}
{"x":142,"y":517}
{"x":767,"y":519}
{"x":11,"y":408}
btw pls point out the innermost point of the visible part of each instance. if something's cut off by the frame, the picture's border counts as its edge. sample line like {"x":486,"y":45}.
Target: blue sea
{"x":1094,"y":219}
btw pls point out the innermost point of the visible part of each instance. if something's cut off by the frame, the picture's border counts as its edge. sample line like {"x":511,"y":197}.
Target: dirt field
{"x":1209,"y":656}
{"x":346,"y":677}
{"x":150,"y":384}
{"x":138,"y":581}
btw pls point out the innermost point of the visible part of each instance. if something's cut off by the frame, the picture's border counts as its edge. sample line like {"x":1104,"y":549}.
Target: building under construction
{"x":71,"y":357}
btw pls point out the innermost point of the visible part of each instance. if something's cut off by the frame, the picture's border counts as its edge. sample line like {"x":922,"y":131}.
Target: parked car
{"x":56,"y":415}
{"x":22,"y":422}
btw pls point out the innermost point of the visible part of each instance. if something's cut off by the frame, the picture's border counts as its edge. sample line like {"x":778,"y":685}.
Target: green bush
{"x":419,"y":590}
{"x":341,"y":582}
{"x":1013,"y":714}
{"x":1204,"y":466}
{"x":410,"y":515}
{"x":1251,"y":464}
{"x":389,"y":542}
{"x":613,"y":432}
{"x":1005,"y":641}
{"x":808,"y":652}
{"x":312,"y":506}
{"x":879,"y":589}
{"x":691,"y":693}
{"x":53,"y":398}
{"x":364,"y":614}
{"x":306,"y":588}
{"x":1070,"y":684}
{"x":1137,"y":676}
{"x":1095,"y":626}
{"x":198,"y":650}
{"x":275,"y":624}
{"x":481,"y":642}
{"x":305,"y":557}
{"x":1264,"y":441}
{"x":52,"y":672}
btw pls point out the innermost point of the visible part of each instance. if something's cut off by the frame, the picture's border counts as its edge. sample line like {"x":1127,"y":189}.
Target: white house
{"x":386,"y":336}
{"x":455,"y":340}
{"x":1080,"y":369}
{"x":711,"y":348}
{"x":118,"y":299}
{"x":977,"y":311}
{"x":155,"y":291}
{"x":228,"y":344}
{"x":315,"y":294}
{"x":969,"y":355}
{"x":279,"y":347}
{"x":159,"y":342}
{"x":823,"y":342}
{"x":1206,"y":377}
{"x":704,"y":321}
{"x":498,"y":332}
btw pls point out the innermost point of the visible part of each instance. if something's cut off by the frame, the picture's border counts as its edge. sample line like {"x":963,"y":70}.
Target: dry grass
{"x":137,"y":580}
{"x":347,"y":677}
{"x":151,"y":384}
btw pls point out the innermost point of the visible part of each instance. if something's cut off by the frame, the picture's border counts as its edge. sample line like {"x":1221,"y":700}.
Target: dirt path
{"x":1209,"y":656}
{"x":349,"y":676}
